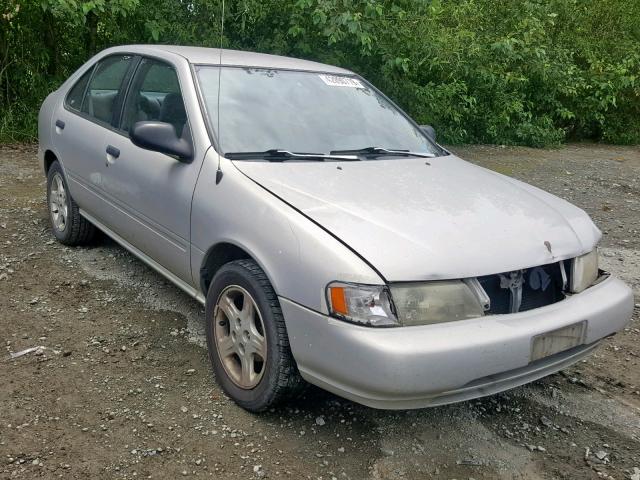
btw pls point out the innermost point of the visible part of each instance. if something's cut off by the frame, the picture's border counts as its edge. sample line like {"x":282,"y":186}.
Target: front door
{"x":150,"y":191}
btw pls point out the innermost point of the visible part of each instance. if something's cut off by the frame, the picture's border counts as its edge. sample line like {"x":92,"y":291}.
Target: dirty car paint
{"x":418,"y":220}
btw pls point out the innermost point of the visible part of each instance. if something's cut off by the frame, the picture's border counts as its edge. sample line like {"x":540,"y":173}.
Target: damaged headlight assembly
{"x":427,"y":303}
{"x":405,"y":304}
{"x":364,"y":304}
{"x":584,"y":271}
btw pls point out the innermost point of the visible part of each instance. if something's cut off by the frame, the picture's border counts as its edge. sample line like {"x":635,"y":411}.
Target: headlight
{"x":413,"y":303}
{"x":366,"y":304}
{"x":584,"y":271}
{"x":435,"y":302}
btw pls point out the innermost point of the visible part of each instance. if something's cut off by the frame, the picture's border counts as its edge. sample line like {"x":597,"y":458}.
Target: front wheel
{"x":247,"y":338}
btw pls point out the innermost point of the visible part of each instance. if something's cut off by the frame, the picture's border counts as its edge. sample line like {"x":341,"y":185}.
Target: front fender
{"x":298,"y":256}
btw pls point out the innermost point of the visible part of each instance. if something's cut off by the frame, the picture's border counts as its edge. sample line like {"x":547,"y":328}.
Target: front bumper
{"x":414,"y":367}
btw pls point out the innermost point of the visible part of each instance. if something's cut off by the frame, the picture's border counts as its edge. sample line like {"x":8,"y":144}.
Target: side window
{"x":155,"y":95}
{"x":76,"y":94}
{"x":104,"y":87}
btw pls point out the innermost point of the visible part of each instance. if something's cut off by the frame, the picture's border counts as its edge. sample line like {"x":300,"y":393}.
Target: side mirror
{"x":429,"y":131}
{"x":161,"y":137}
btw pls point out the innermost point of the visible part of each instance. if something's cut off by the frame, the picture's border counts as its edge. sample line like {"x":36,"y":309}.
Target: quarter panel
{"x":44,"y":126}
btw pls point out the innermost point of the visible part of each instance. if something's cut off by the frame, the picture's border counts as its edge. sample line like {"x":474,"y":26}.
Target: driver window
{"x":155,"y":96}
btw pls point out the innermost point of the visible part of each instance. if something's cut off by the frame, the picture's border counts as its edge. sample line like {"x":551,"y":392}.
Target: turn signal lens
{"x":338,"y":300}
{"x":364,"y":304}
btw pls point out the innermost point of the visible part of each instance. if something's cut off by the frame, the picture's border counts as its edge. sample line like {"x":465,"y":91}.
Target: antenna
{"x":219,"y":170}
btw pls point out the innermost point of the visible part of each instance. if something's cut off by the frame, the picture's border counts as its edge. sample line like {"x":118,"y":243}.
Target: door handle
{"x":113,"y":151}
{"x":60,"y":124}
{"x":112,"y":154}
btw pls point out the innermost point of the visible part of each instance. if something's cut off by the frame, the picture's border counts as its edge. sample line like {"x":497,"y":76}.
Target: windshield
{"x":264,"y":109}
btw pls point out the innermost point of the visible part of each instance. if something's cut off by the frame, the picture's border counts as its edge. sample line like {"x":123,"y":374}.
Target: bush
{"x":532,"y":72}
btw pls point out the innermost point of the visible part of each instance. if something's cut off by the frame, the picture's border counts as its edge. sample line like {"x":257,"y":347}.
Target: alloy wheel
{"x":240,"y":337}
{"x":58,"y":203}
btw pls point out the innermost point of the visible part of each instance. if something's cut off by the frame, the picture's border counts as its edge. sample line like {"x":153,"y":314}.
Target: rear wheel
{"x":69,"y":227}
{"x":247,"y":339}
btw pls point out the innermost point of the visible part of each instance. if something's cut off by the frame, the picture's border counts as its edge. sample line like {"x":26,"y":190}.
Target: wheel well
{"x":49,"y":158}
{"x":216,"y":257}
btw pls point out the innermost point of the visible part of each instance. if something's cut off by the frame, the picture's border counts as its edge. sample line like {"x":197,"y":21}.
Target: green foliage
{"x":530,"y":72}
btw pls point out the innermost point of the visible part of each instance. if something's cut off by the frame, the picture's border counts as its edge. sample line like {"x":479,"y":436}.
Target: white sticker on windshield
{"x":340,"y":81}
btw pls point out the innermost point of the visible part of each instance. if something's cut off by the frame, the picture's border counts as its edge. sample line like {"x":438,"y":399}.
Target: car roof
{"x":211,"y":56}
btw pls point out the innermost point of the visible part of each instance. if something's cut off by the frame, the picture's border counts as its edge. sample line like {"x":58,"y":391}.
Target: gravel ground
{"x":121,"y":386}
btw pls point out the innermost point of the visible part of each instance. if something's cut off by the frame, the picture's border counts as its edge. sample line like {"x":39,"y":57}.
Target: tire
{"x":73,"y":229}
{"x":278,"y":379}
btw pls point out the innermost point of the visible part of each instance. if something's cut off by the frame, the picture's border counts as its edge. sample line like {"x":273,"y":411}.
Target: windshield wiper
{"x":382,"y":151}
{"x":279,"y":155}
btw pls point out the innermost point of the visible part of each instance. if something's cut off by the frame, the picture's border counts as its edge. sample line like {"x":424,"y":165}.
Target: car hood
{"x":417,"y":219}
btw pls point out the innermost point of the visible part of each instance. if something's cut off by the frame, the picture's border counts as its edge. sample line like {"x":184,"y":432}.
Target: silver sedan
{"x":330,"y":237}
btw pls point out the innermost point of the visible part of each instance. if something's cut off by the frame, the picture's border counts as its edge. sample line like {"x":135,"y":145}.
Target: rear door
{"x":150,"y":191}
{"x":88,"y":113}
